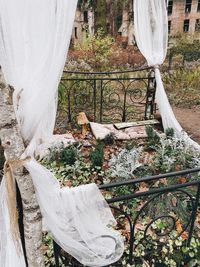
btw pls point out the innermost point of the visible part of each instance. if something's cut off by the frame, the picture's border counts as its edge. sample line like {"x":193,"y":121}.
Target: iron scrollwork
{"x":160,"y":207}
{"x":107,"y":97}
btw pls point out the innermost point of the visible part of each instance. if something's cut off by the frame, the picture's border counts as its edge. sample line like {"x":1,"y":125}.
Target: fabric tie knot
{"x":157,"y":66}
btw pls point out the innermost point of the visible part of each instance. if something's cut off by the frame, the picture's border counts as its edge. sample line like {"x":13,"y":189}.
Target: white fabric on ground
{"x":151,"y":32}
{"x":34,"y":40}
{"x":56,"y":142}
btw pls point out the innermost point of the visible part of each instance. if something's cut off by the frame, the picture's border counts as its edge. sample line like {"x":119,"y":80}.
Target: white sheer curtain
{"x":151,"y":32}
{"x":34,"y":40}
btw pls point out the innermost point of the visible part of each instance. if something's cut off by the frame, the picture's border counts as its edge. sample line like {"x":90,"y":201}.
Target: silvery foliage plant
{"x":177,"y":150}
{"x":125,"y":163}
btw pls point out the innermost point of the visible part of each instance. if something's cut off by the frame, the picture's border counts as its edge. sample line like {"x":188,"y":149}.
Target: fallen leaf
{"x":174,"y":201}
{"x":179,"y":227}
{"x":184,"y":235}
{"x":182,"y":180}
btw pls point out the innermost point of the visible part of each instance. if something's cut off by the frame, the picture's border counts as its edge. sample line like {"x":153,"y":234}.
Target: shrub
{"x":169,"y":132}
{"x":125,"y":163}
{"x":109,"y":139}
{"x":69,"y":155}
{"x":96,"y":49}
{"x":182,"y":85}
{"x":153,"y":138}
{"x":97,"y":155}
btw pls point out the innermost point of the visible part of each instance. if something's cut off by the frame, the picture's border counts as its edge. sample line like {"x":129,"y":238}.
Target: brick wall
{"x":179,"y":15}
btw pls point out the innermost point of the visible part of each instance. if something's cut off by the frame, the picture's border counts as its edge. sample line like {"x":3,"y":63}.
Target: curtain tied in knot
{"x":157,"y":66}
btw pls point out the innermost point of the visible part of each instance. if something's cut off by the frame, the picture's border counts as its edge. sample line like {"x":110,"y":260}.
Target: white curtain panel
{"x":34,"y":40}
{"x":151,"y":32}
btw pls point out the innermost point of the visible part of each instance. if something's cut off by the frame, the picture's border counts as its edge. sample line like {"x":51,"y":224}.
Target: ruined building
{"x":116,"y":18}
{"x":184,"y":16}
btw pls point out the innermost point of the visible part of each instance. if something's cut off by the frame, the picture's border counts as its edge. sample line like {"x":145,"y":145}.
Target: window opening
{"x":197,"y":25}
{"x":186,"y":25}
{"x":169,"y":26}
{"x":75,"y":33}
{"x":170,"y":7}
{"x":85,"y":16}
{"x":198,"y":6}
{"x":188,"y":6}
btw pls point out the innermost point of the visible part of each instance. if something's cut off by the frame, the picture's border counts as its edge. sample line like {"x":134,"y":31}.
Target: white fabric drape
{"x":34,"y":40}
{"x":151,"y":32}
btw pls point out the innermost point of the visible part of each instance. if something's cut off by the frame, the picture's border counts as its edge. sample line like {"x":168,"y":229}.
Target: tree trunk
{"x":100,"y":15}
{"x":13,"y":146}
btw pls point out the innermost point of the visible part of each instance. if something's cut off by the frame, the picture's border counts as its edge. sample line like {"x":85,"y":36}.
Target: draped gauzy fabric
{"x":151,"y":32}
{"x":34,"y":40}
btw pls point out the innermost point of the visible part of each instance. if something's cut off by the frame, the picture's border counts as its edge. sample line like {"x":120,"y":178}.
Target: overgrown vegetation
{"x":183,"y":88}
{"x":95,"y":50}
{"x":102,"y":163}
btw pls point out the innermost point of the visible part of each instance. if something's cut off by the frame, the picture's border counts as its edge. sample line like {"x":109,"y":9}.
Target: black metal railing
{"x":107,"y":96}
{"x":166,"y":199}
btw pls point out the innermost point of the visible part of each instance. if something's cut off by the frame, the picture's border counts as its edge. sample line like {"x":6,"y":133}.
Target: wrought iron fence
{"x":107,"y":97}
{"x":161,"y":202}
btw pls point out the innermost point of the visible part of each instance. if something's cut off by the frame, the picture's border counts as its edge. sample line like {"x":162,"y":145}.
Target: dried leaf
{"x":184,"y":235}
{"x":182,"y":180}
{"x":179,"y":227}
{"x":174,"y":201}
{"x":143,"y":188}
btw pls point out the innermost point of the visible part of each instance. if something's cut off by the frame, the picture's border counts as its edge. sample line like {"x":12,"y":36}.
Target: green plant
{"x":69,"y":155}
{"x":96,"y":50}
{"x":123,"y":165}
{"x":109,"y":139}
{"x":175,"y":253}
{"x":97,"y":155}
{"x":169,"y":132}
{"x":174,"y":154}
{"x":153,"y":138}
{"x":182,"y":86}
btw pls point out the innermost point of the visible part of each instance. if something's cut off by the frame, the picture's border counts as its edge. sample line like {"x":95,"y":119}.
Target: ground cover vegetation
{"x":111,"y":161}
{"x":182,"y":81}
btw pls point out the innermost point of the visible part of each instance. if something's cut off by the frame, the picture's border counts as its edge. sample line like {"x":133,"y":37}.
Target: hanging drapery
{"x":151,"y":32}
{"x":34,"y":40}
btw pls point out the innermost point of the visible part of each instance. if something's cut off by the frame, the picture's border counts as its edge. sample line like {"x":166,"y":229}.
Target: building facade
{"x":183,"y":16}
{"x":83,"y":25}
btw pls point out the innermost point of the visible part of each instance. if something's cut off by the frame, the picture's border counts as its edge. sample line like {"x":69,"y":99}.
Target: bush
{"x":125,"y":163}
{"x":97,"y":155}
{"x":169,"y":132}
{"x":69,"y":156}
{"x":183,"y":87}
{"x":109,"y":139}
{"x":153,"y":138}
{"x":95,"y":50}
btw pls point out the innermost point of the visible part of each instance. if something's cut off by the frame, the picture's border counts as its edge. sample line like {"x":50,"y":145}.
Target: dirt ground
{"x":189,"y":120}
